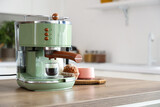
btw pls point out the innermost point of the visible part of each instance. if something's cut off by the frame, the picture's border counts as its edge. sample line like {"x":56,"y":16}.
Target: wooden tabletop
{"x":115,"y":92}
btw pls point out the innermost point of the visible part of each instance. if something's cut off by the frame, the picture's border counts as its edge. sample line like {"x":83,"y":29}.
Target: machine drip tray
{"x":46,"y":83}
{"x":48,"y":77}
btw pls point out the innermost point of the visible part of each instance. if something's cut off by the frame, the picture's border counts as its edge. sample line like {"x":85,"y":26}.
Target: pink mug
{"x":86,"y":73}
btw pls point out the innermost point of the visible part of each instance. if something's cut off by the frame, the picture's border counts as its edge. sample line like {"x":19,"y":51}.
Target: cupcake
{"x":70,"y":71}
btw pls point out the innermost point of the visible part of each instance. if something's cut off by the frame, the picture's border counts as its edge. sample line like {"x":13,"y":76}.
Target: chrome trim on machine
{"x":52,"y":48}
{"x":46,"y":21}
{"x":43,"y":82}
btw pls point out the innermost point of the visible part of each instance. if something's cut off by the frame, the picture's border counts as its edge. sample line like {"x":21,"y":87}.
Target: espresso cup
{"x":52,"y":69}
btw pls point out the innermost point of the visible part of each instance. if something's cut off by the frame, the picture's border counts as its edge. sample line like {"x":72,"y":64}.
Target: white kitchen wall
{"x":37,"y":7}
{"x":15,"y":6}
{"x":96,"y":29}
{"x":47,"y":7}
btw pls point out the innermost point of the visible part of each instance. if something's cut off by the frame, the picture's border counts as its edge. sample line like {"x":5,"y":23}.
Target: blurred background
{"x":118,"y":35}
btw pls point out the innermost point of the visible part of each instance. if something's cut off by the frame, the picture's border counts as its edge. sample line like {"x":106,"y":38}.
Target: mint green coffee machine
{"x":39,"y":54}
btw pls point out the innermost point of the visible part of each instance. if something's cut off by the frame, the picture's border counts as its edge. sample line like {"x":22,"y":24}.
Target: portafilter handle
{"x":68,"y":55}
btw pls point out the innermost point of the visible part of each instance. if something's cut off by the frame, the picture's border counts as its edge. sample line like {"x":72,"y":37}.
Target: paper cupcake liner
{"x":70,"y":74}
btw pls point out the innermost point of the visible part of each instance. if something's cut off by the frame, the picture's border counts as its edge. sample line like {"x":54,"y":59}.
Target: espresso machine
{"x":40,"y":59}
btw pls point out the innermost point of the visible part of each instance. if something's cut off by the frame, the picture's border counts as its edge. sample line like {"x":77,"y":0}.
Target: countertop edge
{"x":114,"y":101}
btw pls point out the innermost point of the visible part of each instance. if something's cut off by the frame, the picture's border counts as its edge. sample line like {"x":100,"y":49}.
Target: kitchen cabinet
{"x":115,"y":92}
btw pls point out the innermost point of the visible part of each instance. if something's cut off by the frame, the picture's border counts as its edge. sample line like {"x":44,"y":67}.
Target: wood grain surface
{"x":115,"y":92}
{"x":93,"y":81}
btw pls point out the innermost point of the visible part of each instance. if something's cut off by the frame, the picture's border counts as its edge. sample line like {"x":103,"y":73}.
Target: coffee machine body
{"x":35,"y":39}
